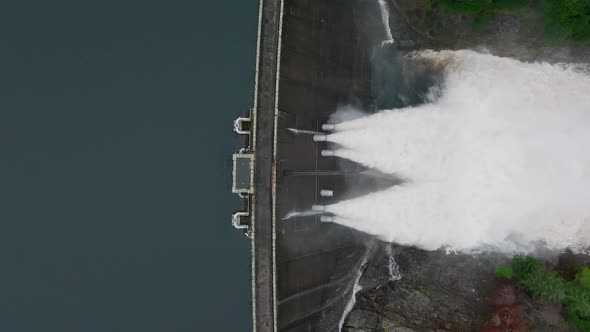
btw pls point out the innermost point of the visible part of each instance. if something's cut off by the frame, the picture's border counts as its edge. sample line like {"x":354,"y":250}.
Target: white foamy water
{"x":501,"y":159}
{"x":301,"y":131}
{"x":385,"y":19}
{"x":294,"y":214}
{"x":355,"y":289}
{"x":394,"y":272}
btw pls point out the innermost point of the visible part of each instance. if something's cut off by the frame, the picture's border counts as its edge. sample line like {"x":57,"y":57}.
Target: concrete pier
{"x":326,"y":193}
{"x":327,"y":219}
{"x":328,"y":127}
{"x":320,"y":138}
{"x":327,"y":153}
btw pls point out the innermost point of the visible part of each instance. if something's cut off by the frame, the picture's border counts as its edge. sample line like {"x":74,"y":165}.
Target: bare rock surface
{"x":439,"y":291}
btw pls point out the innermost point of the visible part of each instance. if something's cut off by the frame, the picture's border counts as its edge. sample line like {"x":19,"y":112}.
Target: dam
{"x":312,"y":56}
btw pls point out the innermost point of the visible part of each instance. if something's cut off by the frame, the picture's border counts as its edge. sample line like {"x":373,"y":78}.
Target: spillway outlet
{"x":326,"y":219}
{"x":318,"y":208}
{"x":320,"y":138}
{"x":328,"y":153}
{"x":328,"y":127}
{"x":326,"y":193}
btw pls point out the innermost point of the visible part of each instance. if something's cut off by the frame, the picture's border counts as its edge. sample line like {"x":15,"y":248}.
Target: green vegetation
{"x":481,"y":6}
{"x":511,"y":4}
{"x":567,"y":19}
{"x":504,"y":272}
{"x":465,"y":6}
{"x":483,"y":10}
{"x":581,"y":324}
{"x":422,"y":21}
{"x":424,"y":291}
{"x":583,"y":277}
{"x":574,"y":295}
{"x":531,"y":274}
{"x":563,"y":19}
{"x":480,"y":22}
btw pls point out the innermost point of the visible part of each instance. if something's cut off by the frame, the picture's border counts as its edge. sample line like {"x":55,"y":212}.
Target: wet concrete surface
{"x":305,"y":267}
{"x":324,"y":64}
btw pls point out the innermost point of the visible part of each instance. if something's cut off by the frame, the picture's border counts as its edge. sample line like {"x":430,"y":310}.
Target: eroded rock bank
{"x":439,"y":291}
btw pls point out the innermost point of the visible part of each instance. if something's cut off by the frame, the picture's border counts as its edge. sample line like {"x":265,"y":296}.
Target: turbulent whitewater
{"x":499,"y":159}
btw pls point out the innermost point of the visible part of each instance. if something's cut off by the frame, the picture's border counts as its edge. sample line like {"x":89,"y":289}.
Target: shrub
{"x":577,"y":300}
{"x":546,"y":285}
{"x":483,"y":9}
{"x":480,"y":22}
{"x":573,"y":319}
{"x":511,"y":4}
{"x":583,"y":277}
{"x":465,"y":6}
{"x":479,"y":6}
{"x":567,"y":19}
{"x":504,"y":272}
{"x":574,"y":295}
{"x":525,"y":266}
{"x":564,"y":19}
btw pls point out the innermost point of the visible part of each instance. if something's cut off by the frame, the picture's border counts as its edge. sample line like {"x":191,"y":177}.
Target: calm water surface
{"x":115,"y":142}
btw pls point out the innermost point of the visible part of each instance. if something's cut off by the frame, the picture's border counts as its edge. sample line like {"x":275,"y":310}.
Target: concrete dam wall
{"x":323,"y":63}
{"x":313,"y":56}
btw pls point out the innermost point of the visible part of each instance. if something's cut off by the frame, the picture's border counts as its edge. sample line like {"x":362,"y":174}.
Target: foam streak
{"x":385,"y":18}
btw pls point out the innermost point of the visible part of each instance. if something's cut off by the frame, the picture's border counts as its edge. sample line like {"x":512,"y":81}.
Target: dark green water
{"x":115,"y":142}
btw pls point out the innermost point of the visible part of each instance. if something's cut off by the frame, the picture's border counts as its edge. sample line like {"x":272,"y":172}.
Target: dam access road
{"x":313,"y":55}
